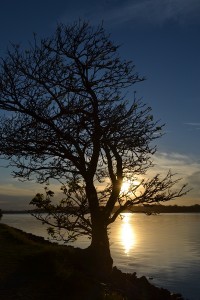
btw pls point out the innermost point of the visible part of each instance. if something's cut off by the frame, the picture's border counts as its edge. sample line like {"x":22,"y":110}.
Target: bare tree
{"x":68,"y":117}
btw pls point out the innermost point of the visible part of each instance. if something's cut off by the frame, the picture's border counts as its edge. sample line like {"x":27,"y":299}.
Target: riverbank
{"x":32,"y":268}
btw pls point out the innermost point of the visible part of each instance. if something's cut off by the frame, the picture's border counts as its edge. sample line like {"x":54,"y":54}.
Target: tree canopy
{"x":68,"y":116}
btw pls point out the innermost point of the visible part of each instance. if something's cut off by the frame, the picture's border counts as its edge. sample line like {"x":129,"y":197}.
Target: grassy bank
{"x":31,"y":268}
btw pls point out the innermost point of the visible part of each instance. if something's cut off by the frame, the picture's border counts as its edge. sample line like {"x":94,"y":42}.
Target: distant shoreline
{"x":147,"y":209}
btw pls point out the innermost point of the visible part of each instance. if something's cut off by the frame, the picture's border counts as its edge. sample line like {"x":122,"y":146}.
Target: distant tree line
{"x":152,"y":209}
{"x":148,"y":209}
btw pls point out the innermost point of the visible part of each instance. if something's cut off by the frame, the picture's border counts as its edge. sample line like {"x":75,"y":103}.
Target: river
{"x":165,"y":247}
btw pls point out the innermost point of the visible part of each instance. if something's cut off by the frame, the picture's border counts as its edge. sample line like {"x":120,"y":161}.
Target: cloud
{"x":194,"y":182}
{"x":17,"y":195}
{"x":186,"y":167}
{"x":14,"y":189}
{"x":195,"y":179}
{"x":176,"y":162}
{"x":14,"y":202}
{"x":193,"y":125}
{"x":155,"y":12}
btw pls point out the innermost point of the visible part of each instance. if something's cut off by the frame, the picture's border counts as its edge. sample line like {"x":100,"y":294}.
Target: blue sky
{"x":162,"y":38}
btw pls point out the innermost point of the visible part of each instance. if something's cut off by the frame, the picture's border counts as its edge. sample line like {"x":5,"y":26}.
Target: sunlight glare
{"x":125,"y":187}
{"x":128,"y":185}
{"x":128,"y":238}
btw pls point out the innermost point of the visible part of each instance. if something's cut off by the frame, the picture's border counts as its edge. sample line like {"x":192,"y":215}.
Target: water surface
{"x":165,"y":247}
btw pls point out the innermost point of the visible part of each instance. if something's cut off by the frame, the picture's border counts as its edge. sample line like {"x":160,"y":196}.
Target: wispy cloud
{"x":186,"y":167}
{"x":179,"y":164}
{"x":155,"y":11}
{"x":142,"y":12}
{"x":17,"y":190}
{"x":14,"y":202}
{"x":193,"y":125}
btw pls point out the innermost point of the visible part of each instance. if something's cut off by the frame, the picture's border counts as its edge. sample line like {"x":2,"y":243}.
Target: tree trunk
{"x":99,"y":251}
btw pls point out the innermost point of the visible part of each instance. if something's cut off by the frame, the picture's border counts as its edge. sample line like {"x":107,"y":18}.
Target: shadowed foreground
{"x":32,"y":268}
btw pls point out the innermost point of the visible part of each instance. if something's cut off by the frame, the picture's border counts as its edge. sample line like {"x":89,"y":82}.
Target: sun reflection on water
{"x":128,"y":237}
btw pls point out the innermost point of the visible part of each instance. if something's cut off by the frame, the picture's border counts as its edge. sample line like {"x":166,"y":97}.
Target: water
{"x":165,"y":248}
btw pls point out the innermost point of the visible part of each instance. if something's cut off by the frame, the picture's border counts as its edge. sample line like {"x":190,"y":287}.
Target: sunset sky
{"x":162,"y":37}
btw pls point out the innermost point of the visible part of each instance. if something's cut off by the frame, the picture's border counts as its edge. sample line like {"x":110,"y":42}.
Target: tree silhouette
{"x":68,"y":117}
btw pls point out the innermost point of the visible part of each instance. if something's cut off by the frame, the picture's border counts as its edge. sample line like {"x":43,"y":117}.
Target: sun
{"x":125,"y":187}
{"x":129,"y":185}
